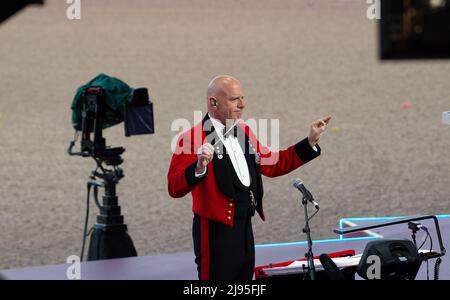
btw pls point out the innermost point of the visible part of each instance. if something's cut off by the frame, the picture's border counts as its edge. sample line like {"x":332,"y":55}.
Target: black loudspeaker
{"x":389,"y":260}
{"x":331,"y":269}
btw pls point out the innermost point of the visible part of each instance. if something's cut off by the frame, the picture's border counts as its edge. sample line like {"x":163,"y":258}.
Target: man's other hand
{"x":204,"y":157}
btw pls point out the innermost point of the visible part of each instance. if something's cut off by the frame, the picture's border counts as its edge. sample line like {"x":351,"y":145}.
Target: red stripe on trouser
{"x":205,"y":252}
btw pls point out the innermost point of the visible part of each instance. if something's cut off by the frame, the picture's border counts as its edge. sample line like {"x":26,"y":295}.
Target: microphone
{"x":298,"y":184}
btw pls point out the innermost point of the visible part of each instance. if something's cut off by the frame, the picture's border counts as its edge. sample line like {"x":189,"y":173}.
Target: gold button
{"x":229,"y":212}
{"x":230,"y":204}
{"x":229,"y":218}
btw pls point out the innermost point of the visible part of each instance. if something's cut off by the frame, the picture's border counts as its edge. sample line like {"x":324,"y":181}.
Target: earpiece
{"x":215,"y":103}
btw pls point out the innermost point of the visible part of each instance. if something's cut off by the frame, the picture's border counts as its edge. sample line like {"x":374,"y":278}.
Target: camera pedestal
{"x":109,"y":238}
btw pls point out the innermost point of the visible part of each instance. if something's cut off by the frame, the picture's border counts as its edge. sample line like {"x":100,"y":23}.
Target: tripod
{"x":109,"y":238}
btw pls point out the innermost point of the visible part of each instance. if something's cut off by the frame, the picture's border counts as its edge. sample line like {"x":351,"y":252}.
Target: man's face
{"x":230,"y":103}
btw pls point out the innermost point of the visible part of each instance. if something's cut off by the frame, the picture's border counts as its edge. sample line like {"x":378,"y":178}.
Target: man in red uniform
{"x":220,"y":161}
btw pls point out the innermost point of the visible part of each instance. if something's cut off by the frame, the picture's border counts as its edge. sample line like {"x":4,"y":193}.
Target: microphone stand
{"x":309,"y":255}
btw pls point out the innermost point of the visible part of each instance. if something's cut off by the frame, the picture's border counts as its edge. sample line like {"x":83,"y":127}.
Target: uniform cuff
{"x":200,"y":175}
{"x":305,"y":152}
{"x":191,"y":177}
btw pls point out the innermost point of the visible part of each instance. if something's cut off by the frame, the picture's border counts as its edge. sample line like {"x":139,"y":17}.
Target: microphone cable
{"x":429,"y":252}
{"x":437,"y":264}
{"x":85,"y":234}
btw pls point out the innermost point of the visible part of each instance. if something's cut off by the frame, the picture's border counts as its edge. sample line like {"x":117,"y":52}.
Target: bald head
{"x":225,"y":98}
{"x":219,"y":83}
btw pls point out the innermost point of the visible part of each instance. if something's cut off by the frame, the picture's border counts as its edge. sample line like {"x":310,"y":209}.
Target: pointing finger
{"x":326,"y":119}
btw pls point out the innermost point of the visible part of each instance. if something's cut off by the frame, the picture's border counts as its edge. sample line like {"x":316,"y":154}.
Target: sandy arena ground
{"x":297,"y":60}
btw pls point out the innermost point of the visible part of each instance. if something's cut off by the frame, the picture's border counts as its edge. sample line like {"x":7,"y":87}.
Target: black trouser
{"x":223,"y":252}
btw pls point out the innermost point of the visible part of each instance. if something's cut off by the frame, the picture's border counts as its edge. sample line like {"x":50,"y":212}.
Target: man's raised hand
{"x":316,"y":130}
